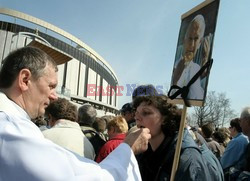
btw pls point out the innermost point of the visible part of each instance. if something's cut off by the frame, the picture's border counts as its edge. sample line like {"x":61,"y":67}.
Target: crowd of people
{"x":28,"y":80}
{"x":45,"y":137}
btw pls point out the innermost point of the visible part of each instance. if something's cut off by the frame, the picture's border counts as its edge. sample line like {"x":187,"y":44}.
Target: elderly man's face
{"x":41,"y":92}
{"x":192,"y":41}
{"x":245,"y":126}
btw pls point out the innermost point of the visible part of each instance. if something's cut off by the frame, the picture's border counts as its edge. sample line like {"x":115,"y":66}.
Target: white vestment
{"x":26,"y":155}
{"x":195,"y":90}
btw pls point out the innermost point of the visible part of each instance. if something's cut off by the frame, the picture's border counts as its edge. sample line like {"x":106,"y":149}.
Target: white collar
{"x":187,"y":64}
{"x":63,"y":123}
{"x":11,"y":107}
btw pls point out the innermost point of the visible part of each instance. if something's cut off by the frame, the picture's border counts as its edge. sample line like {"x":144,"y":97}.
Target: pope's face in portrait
{"x":192,"y":41}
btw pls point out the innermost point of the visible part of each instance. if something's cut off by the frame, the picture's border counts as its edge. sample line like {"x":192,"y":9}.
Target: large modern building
{"x":84,"y":76}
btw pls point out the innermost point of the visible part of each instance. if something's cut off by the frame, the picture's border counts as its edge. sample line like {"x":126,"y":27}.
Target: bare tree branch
{"x":217,"y":109}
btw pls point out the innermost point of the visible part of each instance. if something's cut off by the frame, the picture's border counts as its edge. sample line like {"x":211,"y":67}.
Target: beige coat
{"x":68,"y":134}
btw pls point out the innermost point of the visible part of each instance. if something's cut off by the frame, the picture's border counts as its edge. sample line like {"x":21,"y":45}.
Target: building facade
{"x":83,"y":75}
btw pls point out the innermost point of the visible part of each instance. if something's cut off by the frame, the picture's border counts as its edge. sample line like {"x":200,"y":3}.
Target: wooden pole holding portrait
{"x":192,"y":63}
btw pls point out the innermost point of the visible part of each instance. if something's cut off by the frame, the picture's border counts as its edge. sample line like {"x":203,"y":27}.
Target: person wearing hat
{"x":128,"y":113}
{"x":145,"y":90}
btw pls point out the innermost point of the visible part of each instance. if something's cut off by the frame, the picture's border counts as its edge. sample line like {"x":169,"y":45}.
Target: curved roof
{"x":55,"y":29}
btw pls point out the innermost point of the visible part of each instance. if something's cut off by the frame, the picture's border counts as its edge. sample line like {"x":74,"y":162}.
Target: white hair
{"x":245,"y":113}
{"x":199,"y":19}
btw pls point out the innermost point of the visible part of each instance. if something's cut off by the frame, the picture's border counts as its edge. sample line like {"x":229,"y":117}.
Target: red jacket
{"x":108,"y":147}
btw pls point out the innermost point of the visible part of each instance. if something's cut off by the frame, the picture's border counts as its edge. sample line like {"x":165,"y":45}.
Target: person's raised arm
{"x":205,"y":52}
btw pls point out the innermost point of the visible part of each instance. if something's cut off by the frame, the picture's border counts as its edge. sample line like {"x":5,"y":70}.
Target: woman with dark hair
{"x":163,"y":121}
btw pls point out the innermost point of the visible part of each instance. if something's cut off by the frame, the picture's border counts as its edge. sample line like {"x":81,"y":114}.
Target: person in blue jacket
{"x":234,"y":152}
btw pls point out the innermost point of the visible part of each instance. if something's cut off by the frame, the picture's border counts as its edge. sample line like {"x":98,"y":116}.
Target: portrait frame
{"x":209,"y":10}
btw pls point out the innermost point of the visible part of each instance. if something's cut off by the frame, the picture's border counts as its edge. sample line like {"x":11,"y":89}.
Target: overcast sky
{"x":138,"y":38}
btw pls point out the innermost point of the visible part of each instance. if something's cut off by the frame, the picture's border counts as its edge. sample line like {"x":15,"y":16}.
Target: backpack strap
{"x":95,"y":139}
{"x":89,"y":131}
